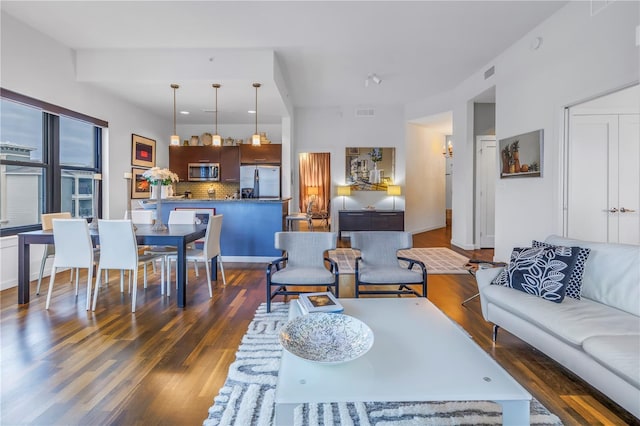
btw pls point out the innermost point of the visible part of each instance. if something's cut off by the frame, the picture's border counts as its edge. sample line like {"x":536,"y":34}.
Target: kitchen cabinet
{"x":370,"y":220}
{"x":181,"y":156}
{"x":230,"y":164}
{"x":263,"y":154}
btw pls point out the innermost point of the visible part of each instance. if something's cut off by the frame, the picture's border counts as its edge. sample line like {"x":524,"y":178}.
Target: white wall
{"x":38,"y":66}
{"x":581,"y":56}
{"x":332,"y":130}
{"x":425,"y":188}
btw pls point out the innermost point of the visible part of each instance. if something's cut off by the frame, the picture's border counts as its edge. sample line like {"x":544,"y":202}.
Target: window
{"x":48,"y":156}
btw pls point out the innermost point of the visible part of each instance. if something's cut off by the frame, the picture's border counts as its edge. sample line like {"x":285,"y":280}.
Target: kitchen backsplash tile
{"x":200,"y":189}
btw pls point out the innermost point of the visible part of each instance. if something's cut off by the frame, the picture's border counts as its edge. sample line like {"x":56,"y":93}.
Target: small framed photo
{"x":140,"y":187}
{"x":521,"y":155}
{"x":319,"y":302}
{"x":143,"y":151}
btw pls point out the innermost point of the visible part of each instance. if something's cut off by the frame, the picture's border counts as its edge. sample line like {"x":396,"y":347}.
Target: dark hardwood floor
{"x":164,"y":365}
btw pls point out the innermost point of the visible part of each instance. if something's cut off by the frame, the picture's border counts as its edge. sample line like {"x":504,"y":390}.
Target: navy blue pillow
{"x":574,"y":287}
{"x":540,"y":271}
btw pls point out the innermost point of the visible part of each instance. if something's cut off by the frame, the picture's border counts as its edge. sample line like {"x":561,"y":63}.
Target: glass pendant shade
{"x":217,"y":140}
{"x":255,"y":140}
{"x":175,"y":140}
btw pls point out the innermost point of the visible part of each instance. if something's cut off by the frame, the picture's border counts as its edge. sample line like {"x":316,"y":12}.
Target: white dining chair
{"x":50,"y":250}
{"x":210,"y":249}
{"x":74,"y":249}
{"x":119,"y":250}
{"x":176,"y":217}
{"x":143,"y":217}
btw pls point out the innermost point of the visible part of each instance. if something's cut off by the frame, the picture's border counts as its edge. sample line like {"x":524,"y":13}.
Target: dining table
{"x":175,"y":235}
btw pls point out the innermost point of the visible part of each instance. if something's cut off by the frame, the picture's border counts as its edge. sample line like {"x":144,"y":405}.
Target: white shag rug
{"x":248,"y":394}
{"x":438,"y":260}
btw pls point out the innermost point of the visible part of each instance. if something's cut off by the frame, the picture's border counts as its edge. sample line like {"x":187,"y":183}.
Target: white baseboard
{"x":463,"y":246}
{"x":430,"y":228}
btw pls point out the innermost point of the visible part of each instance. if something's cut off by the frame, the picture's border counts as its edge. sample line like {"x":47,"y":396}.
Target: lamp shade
{"x":394,"y":190}
{"x":312,"y":190}
{"x":344,"y":190}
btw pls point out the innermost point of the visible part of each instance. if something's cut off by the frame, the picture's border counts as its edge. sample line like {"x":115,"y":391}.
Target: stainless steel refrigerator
{"x":264,"y":180}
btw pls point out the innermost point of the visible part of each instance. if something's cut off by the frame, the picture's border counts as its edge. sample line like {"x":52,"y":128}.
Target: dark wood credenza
{"x":370,"y":220}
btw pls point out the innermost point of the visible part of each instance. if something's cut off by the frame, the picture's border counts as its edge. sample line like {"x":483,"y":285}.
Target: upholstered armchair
{"x":303,"y":264}
{"x":378,"y":263}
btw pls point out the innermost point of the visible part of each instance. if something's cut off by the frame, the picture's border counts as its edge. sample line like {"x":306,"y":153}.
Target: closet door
{"x":589,"y":188}
{"x":628,"y":221}
{"x":604,"y":178}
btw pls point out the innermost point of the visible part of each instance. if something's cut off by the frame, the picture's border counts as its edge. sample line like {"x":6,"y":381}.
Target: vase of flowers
{"x":159,"y":179}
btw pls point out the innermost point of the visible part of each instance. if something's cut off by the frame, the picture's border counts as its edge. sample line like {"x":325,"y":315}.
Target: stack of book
{"x":319,"y":302}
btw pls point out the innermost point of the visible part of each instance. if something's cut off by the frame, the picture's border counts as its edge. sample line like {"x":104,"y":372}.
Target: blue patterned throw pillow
{"x":574,"y":286}
{"x":540,"y":271}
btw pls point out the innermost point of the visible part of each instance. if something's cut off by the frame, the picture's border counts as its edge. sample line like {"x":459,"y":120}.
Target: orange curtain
{"x":315,"y":171}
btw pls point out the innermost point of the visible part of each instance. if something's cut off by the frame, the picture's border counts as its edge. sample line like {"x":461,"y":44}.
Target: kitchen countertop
{"x":222,"y":200}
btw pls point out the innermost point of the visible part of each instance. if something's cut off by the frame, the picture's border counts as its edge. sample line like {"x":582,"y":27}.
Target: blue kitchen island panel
{"x":248,"y":226}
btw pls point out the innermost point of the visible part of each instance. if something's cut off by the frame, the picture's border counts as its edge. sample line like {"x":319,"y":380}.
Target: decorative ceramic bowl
{"x":207,"y":139}
{"x":326,"y":337}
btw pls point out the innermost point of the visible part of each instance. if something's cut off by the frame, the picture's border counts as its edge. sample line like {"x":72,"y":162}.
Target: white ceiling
{"x":325,"y":49}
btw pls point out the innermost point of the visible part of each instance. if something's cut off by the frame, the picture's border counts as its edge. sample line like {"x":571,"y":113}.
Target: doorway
{"x":602,"y":174}
{"x":485,"y":191}
{"x":314,"y":192}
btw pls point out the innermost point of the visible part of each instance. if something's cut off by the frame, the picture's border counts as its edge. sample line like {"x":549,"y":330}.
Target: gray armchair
{"x":378,"y":263}
{"x":303,"y":264}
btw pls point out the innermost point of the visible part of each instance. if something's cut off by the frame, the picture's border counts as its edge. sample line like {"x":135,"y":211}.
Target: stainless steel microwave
{"x":199,"y":172}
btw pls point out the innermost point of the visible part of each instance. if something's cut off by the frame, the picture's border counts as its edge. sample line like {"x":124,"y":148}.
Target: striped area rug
{"x":438,"y":260}
{"x":248,"y":394}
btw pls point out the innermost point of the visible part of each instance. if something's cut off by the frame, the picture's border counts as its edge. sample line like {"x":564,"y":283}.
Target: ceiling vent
{"x":365,"y":112}
{"x":488,"y":73}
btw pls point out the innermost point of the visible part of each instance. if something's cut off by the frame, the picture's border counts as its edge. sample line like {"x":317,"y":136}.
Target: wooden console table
{"x":370,"y":220}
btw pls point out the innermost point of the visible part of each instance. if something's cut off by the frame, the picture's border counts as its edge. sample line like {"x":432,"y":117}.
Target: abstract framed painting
{"x":143,"y":151}
{"x":140,"y":187}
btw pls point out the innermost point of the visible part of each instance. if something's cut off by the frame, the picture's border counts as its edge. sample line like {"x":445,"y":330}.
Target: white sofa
{"x":597,"y":337}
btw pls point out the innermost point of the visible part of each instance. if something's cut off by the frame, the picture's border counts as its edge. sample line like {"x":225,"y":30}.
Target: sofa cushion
{"x":611,"y":274}
{"x":572,"y":321}
{"x":618,"y":353}
{"x":575,"y":279}
{"x":541,"y":271}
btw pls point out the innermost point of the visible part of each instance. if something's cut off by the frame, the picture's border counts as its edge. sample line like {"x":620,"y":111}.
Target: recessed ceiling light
{"x":251,"y":111}
{"x":184,"y":112}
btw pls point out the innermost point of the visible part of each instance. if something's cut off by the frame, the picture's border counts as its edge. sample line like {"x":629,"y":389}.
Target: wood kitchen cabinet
{"x":263,"y":154}
{"x":230,"y":164}
{"x":370,"y":220}
{"x":181,"y":156}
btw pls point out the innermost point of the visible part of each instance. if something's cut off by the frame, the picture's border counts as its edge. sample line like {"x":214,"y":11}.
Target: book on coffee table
{"x":319,"y":302}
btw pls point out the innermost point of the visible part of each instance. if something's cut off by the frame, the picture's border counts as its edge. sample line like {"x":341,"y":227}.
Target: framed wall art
{"x":143,"y":151}
{"x":140,"y":187}
{"x":369,"y":169}
{"x":521,"y":155}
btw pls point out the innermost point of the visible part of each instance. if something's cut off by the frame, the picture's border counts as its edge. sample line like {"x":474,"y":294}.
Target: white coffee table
{"x":418,"y":355}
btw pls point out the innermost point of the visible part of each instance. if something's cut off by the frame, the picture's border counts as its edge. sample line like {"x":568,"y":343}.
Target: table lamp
{"x":344,"y":191}
{"x":394,"y":190}
{"x":313,"y":191}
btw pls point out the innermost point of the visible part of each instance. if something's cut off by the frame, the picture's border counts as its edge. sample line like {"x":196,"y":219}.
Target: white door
{"x":603,"y":182}
{"x":485,"y":191}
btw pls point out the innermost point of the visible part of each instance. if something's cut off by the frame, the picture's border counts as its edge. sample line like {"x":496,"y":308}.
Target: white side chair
{"x":210,"y":249}
{"x":143,"y":217}
{"x":74,"y":249}
{"x":50,"y":250}
{"x":119,"y":250}
{"x":176,"y":217}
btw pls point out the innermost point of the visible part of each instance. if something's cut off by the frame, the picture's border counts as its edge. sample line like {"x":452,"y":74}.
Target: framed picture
{"x":140,"y":188}
{"x":521,"y":155}
{"x":143,"y":151}
{"x":370,"y":168}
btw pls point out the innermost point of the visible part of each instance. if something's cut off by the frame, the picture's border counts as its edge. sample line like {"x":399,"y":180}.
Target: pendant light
{"x":255,"y":139}
{"x":175,"y":139}
{"x":217,"y":140}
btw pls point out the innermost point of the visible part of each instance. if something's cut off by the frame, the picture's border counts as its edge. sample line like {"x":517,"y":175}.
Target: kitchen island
{"x":248,"y":226}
